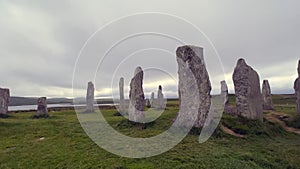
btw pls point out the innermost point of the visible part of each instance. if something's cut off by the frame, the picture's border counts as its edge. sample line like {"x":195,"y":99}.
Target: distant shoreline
{"x":30,"y":106}
{"x":54,"y":107}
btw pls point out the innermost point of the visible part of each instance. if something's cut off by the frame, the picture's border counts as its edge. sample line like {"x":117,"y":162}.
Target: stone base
{"x":230,"y":110}
{"x":89,"y":111}
{"x":137,"y":116}
{"x":265,"y":107}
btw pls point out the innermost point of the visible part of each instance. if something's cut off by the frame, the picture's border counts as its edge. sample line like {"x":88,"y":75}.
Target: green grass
{"x":295,"y":122}
{"x":65,"y":144}
{"x":231,"y":98}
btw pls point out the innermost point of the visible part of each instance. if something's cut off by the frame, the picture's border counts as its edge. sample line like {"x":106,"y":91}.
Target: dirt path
{"x":273,"y":117}
{"x":230,"y":132}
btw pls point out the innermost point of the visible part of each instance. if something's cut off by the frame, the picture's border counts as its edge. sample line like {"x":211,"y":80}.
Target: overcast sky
{"x":41,"y":40}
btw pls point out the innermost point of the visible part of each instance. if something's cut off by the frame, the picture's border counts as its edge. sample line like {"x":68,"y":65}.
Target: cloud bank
{"x":40,"y":42}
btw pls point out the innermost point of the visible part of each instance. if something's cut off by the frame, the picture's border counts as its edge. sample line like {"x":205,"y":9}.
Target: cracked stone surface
{"x":4,"y":100}
{"x":247,"y":91}
{"x":90,"y":97}
{"x":224,"y":95}
{"x":194,"y":85}
{"x":267,"y":96}
{"x":136,"y":96}
{"x":42,"y":106}
{"x":297,"y":89}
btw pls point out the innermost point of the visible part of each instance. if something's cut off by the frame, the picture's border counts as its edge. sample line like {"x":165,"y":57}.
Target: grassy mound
{"x":244,"y":126}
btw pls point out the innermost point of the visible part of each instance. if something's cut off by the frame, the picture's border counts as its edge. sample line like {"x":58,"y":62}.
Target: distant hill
{"x":17,"y":101}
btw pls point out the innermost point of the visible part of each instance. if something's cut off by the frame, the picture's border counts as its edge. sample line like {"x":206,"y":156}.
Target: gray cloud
{"x":40,"y":42}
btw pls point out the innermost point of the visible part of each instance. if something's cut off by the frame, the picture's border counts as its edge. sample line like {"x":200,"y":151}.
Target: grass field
{"x":60,"y":142}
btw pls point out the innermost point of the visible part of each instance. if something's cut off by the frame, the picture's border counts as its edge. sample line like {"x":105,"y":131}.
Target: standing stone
{"x":90,"y":97}
{"x":194,"y":84}
{"x":267,"y":97}
{"x":152,"y":100}
{"x":4,"y":100}
{"x":42,"y":110}
{"x":224,"y":95}
{"x":147,"y":103}
{"x":160,"y":98}
{"x":247,"y":91}
{"x":122,"y":101}
{"x":297,"y":89}
{"x":136,"y":96}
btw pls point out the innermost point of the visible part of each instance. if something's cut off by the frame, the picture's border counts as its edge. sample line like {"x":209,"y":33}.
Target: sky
{"x":53,"y":48}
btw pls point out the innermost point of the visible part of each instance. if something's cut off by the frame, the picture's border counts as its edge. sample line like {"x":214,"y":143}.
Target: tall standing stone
{"x":4,"y":100}
{"x":160,"y":98}
{"x":247,"y":91}
{"x":152,"y":100}
{"x":136,"y":96}
{"x":297,"y":89}
{"x":267,"y":97}
{"x":90,"y":97}
{"x":194,"y":84}
{"x":224,"y":95}
{"x":122,"y":101}
{"x":42,"y":110}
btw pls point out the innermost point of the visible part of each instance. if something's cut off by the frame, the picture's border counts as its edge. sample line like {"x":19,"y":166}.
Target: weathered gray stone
{"x":147,"y":103}
{"x":136,"y":96}
{"x":297,"y":89}
{"x":247,"y":91}
{"x":194,"y":84}
{"x":160,"y":98}
{"x":152,"y":100}
{"x":90,"y":97}
{"x":4,"y":100}
{"x":122,"y":100}
{"x":224,"y":95}
{"x":298,"y":68}
{"x":267,"y":97}
{"x":42,"y":109}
